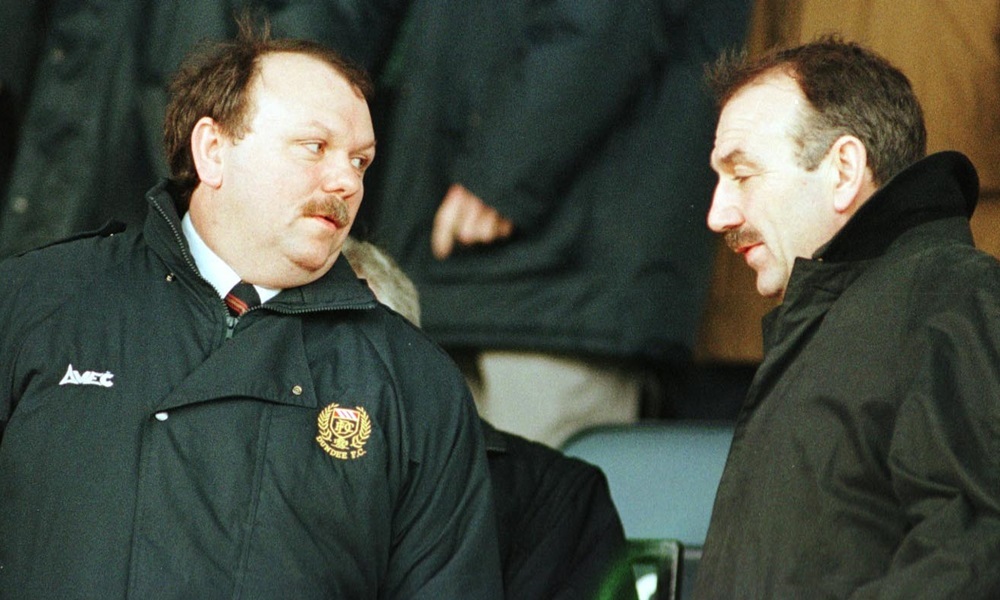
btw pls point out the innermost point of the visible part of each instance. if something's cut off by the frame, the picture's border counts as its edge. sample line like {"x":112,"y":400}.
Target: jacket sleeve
{"x":12,"y":288}
{"x":579,"y":65}
{"x":10,"y":283}
{"x":444,"y":529}
{"x":944,"y":457}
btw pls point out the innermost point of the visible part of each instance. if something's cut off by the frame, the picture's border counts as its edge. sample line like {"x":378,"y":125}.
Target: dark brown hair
{"x":216,"y":80}
{"x":851,"y":91}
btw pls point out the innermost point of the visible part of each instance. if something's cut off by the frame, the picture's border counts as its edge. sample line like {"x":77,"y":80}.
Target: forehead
{"x":280,"y":69}
{"x":302,"y":83}
{"x":761,"y":115}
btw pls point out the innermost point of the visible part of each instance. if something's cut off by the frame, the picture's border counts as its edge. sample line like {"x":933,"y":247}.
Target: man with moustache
{"x":866,"y":459}
{"x":163,"y":437}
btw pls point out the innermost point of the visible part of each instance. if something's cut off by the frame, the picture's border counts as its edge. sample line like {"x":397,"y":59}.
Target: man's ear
{"x":854,"y":177}
{"x":207,"y":142}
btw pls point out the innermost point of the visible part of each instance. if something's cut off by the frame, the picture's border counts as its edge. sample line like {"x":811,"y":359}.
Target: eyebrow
{"x":734,"y":156}
{"x":318,"y":125}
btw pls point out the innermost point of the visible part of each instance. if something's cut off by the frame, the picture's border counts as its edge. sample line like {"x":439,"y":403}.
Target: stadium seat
{"x":663,"y":476}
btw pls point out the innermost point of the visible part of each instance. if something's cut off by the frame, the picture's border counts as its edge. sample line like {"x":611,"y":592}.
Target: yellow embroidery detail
{"x":343,"y":431}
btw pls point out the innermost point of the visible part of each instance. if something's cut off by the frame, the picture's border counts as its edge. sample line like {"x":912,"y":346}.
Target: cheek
{"x":354,"y":200}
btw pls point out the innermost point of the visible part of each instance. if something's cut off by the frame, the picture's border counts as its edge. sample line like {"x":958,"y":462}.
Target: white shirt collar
{"x":214,"y":269}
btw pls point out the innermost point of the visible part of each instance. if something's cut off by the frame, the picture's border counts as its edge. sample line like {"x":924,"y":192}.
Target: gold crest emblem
{"x":343,"y":431}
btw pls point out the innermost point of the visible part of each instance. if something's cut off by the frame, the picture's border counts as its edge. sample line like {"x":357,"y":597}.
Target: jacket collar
{"x":939,"y":186}
{"x":338,"y":288}
{"x":496,"y":442}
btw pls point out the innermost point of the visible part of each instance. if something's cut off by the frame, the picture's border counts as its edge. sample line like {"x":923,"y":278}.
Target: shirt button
{"x":162,"y":416}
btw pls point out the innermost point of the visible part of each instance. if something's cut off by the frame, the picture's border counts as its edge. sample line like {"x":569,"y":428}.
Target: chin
{"x":315,"y":263}
{"x":769,"y":289}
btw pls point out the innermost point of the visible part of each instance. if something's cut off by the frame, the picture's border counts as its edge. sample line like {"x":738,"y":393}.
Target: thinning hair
{"x":216,"y":80}
{"x":850,"y":90}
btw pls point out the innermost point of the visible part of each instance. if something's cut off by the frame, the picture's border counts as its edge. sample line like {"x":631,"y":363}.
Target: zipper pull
{"x":231,"y":322}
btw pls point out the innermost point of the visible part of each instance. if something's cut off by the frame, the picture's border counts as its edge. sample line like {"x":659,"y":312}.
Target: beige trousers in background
{"x":548,"y":398}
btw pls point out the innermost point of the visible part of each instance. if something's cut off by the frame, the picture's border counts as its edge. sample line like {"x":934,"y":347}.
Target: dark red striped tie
{"x":241,"y":298}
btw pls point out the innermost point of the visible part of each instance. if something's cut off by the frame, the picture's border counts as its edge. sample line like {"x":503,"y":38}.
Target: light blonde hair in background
{"x":385,"y":278}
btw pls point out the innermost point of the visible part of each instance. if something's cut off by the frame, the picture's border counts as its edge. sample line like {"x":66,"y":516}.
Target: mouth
{"x":333,"y":220}
{"x":753,"y":258}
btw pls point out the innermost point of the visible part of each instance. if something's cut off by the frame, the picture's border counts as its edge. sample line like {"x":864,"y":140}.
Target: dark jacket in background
{"x":585,"y":123}
{"x":360,"y":30}
{"x":145,"y":454}
{"x":77,"y":154}
{"x":83,"y":91}
{"x":560,"y":534}
{"x":866,"y":461}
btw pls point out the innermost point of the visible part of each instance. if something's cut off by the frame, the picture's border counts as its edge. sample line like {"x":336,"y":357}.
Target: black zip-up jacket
{"x":866,"y":460}
{"x":326,"y":450}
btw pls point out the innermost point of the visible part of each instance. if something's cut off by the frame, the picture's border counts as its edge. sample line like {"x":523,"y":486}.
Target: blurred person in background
{"x":542,"y":182}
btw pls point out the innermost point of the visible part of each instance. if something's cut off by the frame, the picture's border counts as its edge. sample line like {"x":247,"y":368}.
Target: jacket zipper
{"x":181,"y":243}
{"x":231,"y":321}
{"x":182,"y":246}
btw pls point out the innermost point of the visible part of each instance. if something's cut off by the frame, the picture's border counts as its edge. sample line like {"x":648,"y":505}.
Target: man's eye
{"x":314,"y":147}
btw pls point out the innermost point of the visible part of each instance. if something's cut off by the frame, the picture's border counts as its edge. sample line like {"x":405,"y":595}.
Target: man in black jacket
{"x":866,"y":459}
{"x":160,"y":438}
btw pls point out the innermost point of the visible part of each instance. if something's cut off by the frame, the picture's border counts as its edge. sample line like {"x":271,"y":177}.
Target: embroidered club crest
{"x":343,"y":431}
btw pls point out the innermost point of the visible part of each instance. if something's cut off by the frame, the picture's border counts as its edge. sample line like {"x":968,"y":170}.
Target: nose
{"x":341,"y":177}
{"x":724,"y":214}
